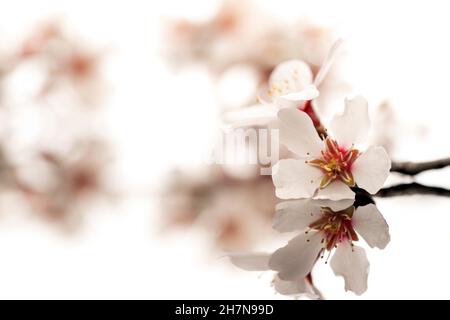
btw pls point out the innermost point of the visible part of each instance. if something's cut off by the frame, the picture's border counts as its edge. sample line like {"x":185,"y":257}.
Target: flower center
{"x":335,"y":228}
{"x":336,"y":163}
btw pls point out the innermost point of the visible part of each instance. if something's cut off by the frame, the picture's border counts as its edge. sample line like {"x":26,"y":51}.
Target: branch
{"x":413,"y":168}
{"x":362,"y":197}
{"x":411,"y":189}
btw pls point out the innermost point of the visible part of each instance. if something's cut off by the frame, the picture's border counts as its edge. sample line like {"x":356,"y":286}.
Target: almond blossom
{"x":291,"y":85}
{"x":325,"y":226}
{"x":328,"y":166}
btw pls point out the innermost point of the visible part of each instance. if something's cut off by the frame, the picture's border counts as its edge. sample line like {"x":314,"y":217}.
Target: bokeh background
{"x":106,"y":117}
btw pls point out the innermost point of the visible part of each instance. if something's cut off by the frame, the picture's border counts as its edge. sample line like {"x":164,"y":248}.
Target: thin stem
{"x":413,"y":168}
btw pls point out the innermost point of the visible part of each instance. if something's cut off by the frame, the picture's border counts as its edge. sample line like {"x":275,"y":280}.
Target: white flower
{"x":291,"y":84}
{"x":329,"y":226}
{"x":328,"y":168}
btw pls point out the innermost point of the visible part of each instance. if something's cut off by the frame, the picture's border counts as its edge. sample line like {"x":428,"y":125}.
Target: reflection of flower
{"x":327,"y":226}
{"x":238,"y":211}
{"x":66,"y":183}
{"x":328,"y":168}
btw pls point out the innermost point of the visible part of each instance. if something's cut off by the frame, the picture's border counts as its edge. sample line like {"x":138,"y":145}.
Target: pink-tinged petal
{"x":290,"y":76}
{"x":295,"y":215}
{"x":371,"y":169}
{"x":352,"y":127}
{"x":337,"y":190}
{"x":298,"y":257}
{"x":370,"y":224}
{"x":326,"y":65}
{"x":308,"y":93}
{"x":250,"y":261}
{"x":259,"y":114}
{"x":295,"y":179}
{"x":300,"y":287}
{"x":351,"y":263}
{"x":297,"y":132}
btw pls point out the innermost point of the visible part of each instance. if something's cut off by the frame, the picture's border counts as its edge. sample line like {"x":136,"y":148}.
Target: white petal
{"x":296,"y":214}
{"x":260,"y":114}
{"x":298,"y":257}
{"x":371,"y":169}
{"x":281,"y":103}
{"x":295,"y":179}
{"x":250,"y":261}
{"x":336,"y":205}
{"x":337,"y":190}
{"x":295,"y":288}
{"x":352,"y":264}
{"x":352,"y":127}
{"x":370,"y":224}
{"x":297,"y":132}
{"x":310,"y":92}
{"x":290,"y":76}
{"x":326,"y":65}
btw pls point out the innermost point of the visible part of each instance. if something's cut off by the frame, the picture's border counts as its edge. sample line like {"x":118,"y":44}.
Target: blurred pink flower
{"x":236,"y":210}
{"x":67,"y":63}
{"x":67,"y":182}
{"x":241,"y":33}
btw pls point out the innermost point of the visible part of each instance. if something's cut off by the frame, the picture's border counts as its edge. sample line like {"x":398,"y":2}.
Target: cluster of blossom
{"x":51,"y":153}
{"x":237,"y":210}
{"x":240,"y":33}
{"x":323,"y":165}
{"x":329,"y":163}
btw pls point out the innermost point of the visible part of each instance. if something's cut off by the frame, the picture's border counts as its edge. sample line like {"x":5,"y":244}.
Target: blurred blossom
{"x":241,"y":34}
{"x":54,"y":63}
{"x":327,"y":227}
{"x":237,"y":211}
{"x":53,"y":152}
{"x":60,"y":186}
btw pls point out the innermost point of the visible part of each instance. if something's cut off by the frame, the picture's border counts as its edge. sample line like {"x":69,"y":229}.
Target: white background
{"x":398,"y":51}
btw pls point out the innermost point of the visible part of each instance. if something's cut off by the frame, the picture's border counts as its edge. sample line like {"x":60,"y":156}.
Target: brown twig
{"x":412,"y":189}
{"x":413,"y":168}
